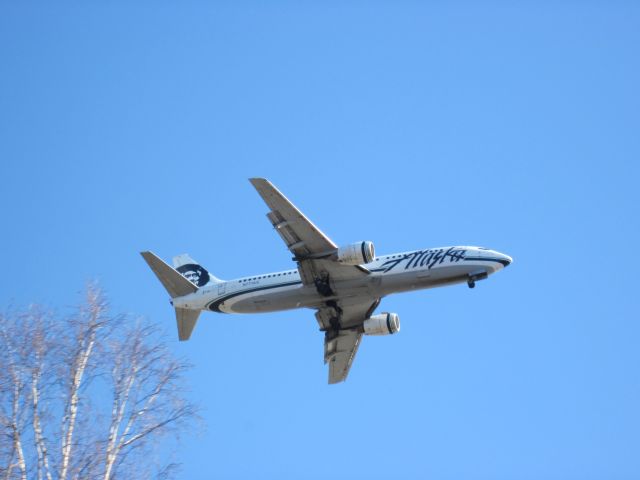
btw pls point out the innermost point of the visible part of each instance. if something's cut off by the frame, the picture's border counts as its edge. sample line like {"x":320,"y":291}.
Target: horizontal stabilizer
{"x":186,"y":320}
{"x":173,"y":281}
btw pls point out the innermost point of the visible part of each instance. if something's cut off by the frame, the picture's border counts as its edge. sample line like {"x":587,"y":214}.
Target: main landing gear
{"x":323,"y":286}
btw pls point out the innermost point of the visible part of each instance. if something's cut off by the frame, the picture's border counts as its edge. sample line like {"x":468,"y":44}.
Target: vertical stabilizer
{"x":193,"y":271}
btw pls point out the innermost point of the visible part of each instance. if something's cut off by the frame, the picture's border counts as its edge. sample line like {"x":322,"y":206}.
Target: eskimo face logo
{"x":195,"y":274}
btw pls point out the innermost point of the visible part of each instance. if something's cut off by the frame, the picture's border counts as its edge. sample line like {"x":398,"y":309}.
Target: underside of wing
{"x":300,"y":235}
{"x":310,"y":247}
{"x":342,"y":323}
{"x":340,"y":348}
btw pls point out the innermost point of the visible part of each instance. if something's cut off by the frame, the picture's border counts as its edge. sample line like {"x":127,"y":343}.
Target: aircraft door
{"x":222,"y":288}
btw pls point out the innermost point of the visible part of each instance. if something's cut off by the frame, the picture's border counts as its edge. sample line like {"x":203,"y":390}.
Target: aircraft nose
{"x":507,"y":259}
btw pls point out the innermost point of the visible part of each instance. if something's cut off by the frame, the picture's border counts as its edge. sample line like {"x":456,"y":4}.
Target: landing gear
{"x":323,"y":286}
{"x":474,"y":277}
{"x":334,"y":321}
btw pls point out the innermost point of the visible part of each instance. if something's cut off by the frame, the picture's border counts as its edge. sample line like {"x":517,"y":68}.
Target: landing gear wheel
{"x":471,"y":284}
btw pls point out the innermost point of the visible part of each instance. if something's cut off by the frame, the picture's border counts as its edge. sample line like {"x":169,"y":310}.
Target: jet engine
{"x":357,"y":253}
{"x":382,"y":324}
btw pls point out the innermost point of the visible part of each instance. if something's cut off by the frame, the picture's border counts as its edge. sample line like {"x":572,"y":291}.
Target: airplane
{"x":343,"y":284}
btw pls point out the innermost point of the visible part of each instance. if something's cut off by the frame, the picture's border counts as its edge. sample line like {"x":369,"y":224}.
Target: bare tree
{"x":144,"y":407}
{"x":88,"y":395}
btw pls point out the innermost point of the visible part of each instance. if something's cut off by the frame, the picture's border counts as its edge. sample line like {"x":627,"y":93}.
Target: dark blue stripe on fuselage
{"x":215,"y":305}
{"x":489,"y":259}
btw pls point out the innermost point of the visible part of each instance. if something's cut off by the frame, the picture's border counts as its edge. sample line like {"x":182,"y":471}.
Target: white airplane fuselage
{"x":400,"y":272}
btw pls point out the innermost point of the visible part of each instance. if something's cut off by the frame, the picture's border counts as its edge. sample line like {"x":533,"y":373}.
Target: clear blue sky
{"x":510,"y":125}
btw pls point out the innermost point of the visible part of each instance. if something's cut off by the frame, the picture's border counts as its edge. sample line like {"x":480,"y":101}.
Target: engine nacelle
{"x":357,"y":253}
{"x":382,"y":324}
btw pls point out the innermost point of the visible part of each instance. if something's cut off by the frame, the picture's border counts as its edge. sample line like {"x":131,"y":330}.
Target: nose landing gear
{"x":474,"y":277}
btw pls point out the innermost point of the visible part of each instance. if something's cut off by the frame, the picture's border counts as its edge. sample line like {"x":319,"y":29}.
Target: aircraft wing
{"x":306,"y":241}
{"x":341,"y":344}
{"x":340,"y":348}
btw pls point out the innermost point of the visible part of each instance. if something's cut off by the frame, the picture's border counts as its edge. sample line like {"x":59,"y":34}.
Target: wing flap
{"x":340,"y":349}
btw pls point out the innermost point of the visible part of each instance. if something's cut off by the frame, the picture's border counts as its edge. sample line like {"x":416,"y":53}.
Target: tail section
{"x":186,"y":320}
{"x":178,"y":284}
{"x":194,"y":272}
{"x":174,"y":282}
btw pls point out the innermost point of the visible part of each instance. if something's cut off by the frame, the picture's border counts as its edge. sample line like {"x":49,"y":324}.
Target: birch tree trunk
{"x":17,"y":443}
{"x":87,"y":325}
{"x":39,"y":440}
{"x":16,"y":385}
